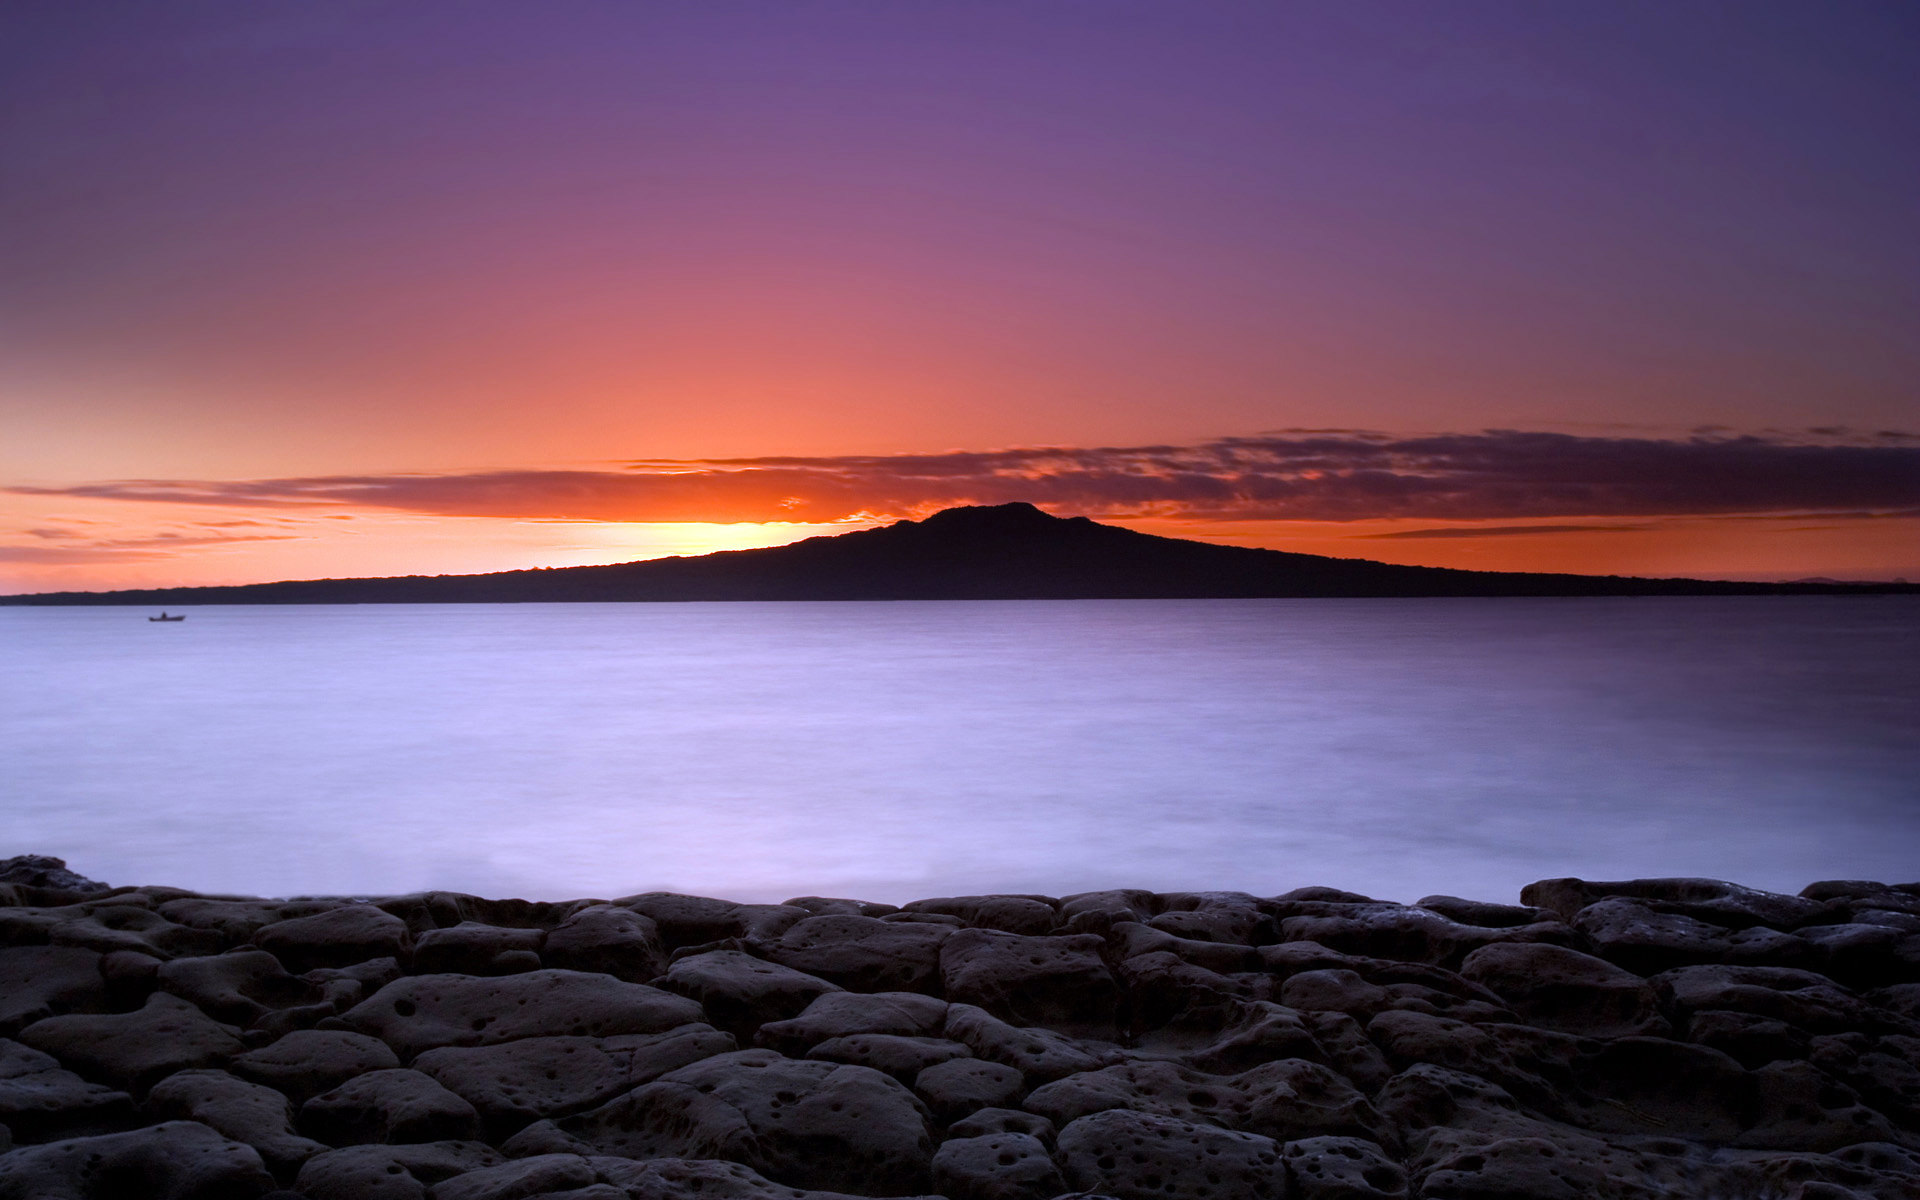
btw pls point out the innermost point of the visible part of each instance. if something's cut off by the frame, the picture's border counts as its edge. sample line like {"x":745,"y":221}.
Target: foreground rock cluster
{"x":1652,"y":1038}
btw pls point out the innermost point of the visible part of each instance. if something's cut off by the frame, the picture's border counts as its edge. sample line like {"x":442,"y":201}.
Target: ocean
{"x":893,"y":751}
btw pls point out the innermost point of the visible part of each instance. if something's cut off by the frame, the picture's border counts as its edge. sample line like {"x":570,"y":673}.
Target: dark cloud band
{"x":1489,"y":476}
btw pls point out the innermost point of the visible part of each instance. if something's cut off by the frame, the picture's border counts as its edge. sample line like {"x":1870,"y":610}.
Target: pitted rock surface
{"x":1670,"y":1039}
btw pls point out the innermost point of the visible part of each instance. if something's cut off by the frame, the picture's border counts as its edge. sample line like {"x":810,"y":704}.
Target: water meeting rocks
{"x":1626,"y":1040}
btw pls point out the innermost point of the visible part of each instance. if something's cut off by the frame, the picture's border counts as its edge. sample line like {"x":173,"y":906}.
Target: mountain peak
{"x":1015,"y":515}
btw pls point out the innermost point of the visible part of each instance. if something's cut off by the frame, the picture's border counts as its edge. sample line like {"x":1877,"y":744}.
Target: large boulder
{"x":337,"y":937}
{"x":474,"y":948}
{"x":1342,"y":1168}
{"x":238,"y":988}
{"x":175,"y":1160}
{"x":1054,"y":981}
{"x":425,"y":1012}
{"x":864,"y":954}
{"x":609,"y":939}
{"x":45,"y":981}
{"x":1134,"y":1156}
{"x":246,"y":1112}
{"x":397,"y":1105}
{"x":305,"y":1063}
{"x":997,"y":1166}
{"x":807,"y":1124}
{"x":134,"y":1050}
{"x":1557,"y":988}
{"x":740,"y":992}
{"x":39,"y":1099}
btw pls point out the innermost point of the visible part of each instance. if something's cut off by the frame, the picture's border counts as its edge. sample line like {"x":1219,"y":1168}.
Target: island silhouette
{"x":986,"y":552}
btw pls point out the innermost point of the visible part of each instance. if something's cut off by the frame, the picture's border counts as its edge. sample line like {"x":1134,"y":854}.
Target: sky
{"x":362,"y":288}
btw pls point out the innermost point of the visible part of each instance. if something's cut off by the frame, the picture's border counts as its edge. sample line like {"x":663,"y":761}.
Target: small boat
{"x":164,"y":617}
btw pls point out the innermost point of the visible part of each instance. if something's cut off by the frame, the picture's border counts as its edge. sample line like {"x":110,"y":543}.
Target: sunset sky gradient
{"x":361,"y":288}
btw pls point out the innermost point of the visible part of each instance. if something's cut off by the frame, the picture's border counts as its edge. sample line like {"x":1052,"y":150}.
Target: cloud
{"x":1497,"y":475}
{"x":1479,"y":531}
{"x":141,"y":549}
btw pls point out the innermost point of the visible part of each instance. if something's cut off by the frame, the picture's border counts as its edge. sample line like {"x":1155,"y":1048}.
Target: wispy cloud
{"x":1481,"y":531}
{"x":1497,"y":475}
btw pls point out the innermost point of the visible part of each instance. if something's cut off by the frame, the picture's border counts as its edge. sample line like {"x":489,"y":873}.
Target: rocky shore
{"x":1651,"y":1038}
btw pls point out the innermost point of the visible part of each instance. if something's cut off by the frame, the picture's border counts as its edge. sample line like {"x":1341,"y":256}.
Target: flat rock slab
{"x":425,"y":1012}
{"x":399,"y":1105}
{"x":134,"y":1050}
{"x":516,"y":1083}
{"x":175,"y":1160}
{"x":37,"y":982}
{"x":306,"y":1062}
{"x":39,"y":1099}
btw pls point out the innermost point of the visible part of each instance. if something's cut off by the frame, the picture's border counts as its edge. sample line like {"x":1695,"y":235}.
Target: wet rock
{"x":516,"y":1083}
{"x":740,"y":992}
{"x":425,"y":1012}
{"x":1557,"y":988}
{"x":1399,"y":932}
{"x":236,"y":921}
{"x":176,"y":1160}
{"x":44,"y":981}
{"x":471,"y":948}
{"x":338,"y":937}
{"x":108,"y":925}
{"x":1130,"y":939}
{"x":697,"y":921}
{"x":134,"y":1050}
{"x":844,"y":1014}
{"x":1342,"y":1168}
{"x":397,"y":1105}
{"x":1133,"y":1155}
{"x":1229,"y":918}
{"x":40,"y":1100}
{"x":1040,"y":1055}
{"x":307,"y":1062}
{"x":1031,"y":915}
{"x":825,"y":906}
{"x":959,"y":1086}
{"x":1003,"y":1120}
{"x":237,"y":988}
{"x":246,"y":1112}
{"x":609,"y":939}
{"x":391,"y":1172}
{"x":1644,"y":940}
{"x":1799,"y":998}
{"x":864,"y":954}
{"x":996,"y":1166}
{"x":1861,"y":956}
{"x":424,"y":912}
{"x":1055,"y":981}
{"x":900,"y":1057}
{"x":807,"y":1124}
{"x":1712,"y":901}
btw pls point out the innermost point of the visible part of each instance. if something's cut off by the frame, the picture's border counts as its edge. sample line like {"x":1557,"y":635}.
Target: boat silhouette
{"x":164,"y":617}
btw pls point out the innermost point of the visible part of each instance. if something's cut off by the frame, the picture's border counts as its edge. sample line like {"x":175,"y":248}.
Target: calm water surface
{"x":895,"y":751}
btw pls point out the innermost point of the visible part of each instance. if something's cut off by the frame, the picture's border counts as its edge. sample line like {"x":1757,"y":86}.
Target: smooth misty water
{"x":894,"y":751}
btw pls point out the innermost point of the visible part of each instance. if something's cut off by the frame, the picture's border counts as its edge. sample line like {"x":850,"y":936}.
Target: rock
{"x":238,"y":988}
{"x":47,"y":873}
{"x":1231,"y":918}
{"x":135,"y":1050}
{"x":337,"y":937}
{"x":1162,"y":1088}
{"x":1713,"y":901}
{"x":1801,"y":1107}
{"x":996,"y":1166}
{"x":1858,"y":955}
{"x":1342,"y":1168}
{"x":1885,"y":1070}
{"x":397,"y":1105}
{"x":130,"y":977}
{"x":1534,"y":1064}
{"x":516,"y":1083}
{"x":108,"y":925}
{"x":1130,"y":939}
{"x":1395,"y":931}
{"x":40,"y":1100}
{"x":1134,"y":1155}
{"x":390,"y":1172}
{"x":44,"y":981}
{"x":426,"y":1012}
{"x":246,"y":1112}
{"x":1294,"y":1099}
{"x":1649,"y":1085}
{"x":1003,"y":1120}
{"x":1040,"y":1055}
{"x":831,"y":906}
{"x":471,"y":948}
{"x":808,"y":1124}
{"x":959,"y":1086}
{"x":609,"y":939}
{"x":176,"y":1160}
{"x":844,"y":1014}
{"x":1050,"y":981}
{"x":307,"y":1062}
{"x":1227,"y":1038}
{"x":901,"y":1057}
{"x":696,"y":921}
{"x":236,"y":921}
{"x":1644,"y":940}
{"x":1749,"y":1040}
{"x":1334,"y":990}
{"x":1799,"y":998}
{"x":1557,"y":988}
{"x":1009,"y":914}
{"x":1483,"y":914}
{"x":864,"y":954}
{"x":740,"y":992}
{"x":541,"y":1175}
{"x":1541,"y":1169}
